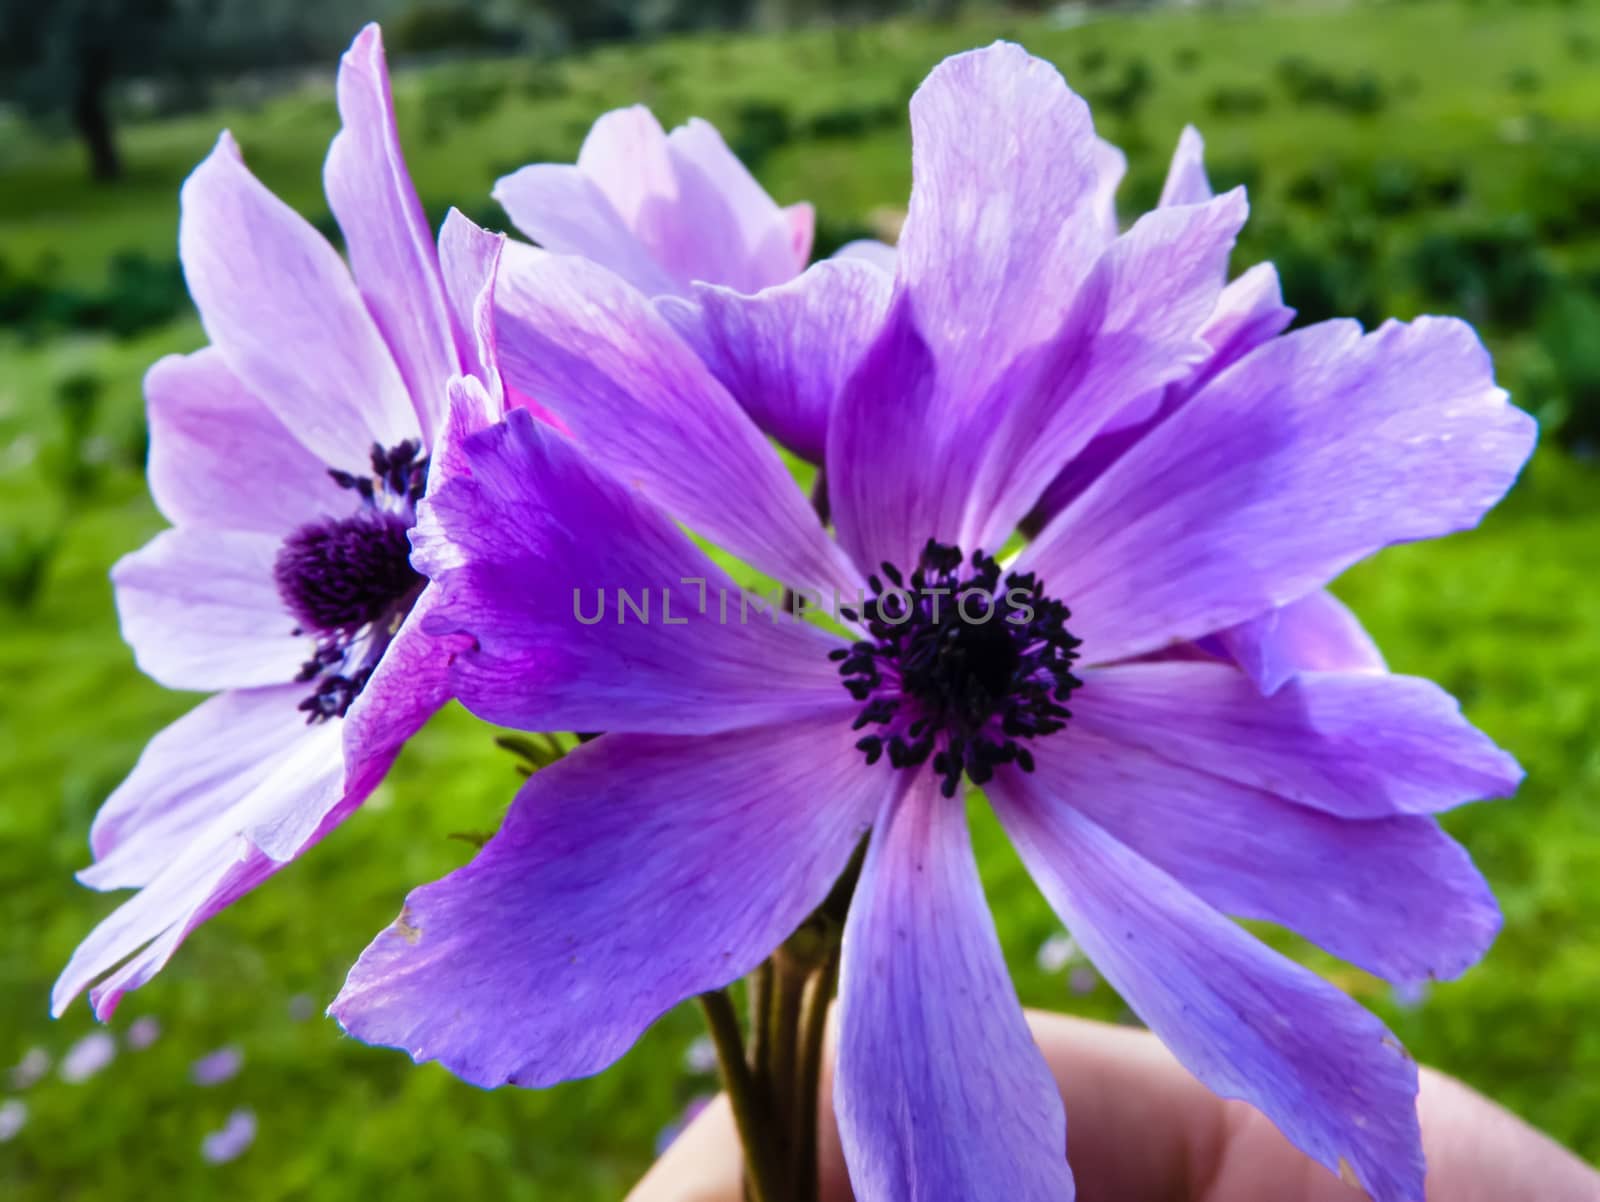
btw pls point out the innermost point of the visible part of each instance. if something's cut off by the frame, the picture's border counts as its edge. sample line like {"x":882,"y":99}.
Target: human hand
{"x":1141,"y":1129}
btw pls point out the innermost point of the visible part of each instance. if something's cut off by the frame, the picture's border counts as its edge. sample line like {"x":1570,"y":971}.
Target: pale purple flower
{"x":13,"y":1118}
{"x":302,"y":1007}
{"x":1410,"y":995}
{"x":701,"y":1056}
{"x":232,"y":1140}
{"x":1082,"y":980}
{"x":680,"y":218}
{"x":289,"y":455}
{"x":1153,"y":789}
{"x":143,"y":1032}
{"x":87,"y":1057}
{"x":1056,"y":952}
{"x":30,"y":1070}
{"x":216,"y":1067}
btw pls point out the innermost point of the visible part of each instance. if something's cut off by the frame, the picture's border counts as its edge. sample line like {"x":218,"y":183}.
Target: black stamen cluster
{"x":957,"y":668}
{"x":342,"y":576}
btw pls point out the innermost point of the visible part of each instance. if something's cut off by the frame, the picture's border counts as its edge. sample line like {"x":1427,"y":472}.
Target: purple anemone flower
{"x":1153,"y":790}
{"x":289,"y":455}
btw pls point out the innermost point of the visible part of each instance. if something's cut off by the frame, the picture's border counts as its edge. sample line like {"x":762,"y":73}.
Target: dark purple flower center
{"x":957,"y":668}
{"x":349,"y":581}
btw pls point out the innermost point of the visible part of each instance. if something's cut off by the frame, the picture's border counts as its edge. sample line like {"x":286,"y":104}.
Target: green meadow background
{"x":1401,"y":158}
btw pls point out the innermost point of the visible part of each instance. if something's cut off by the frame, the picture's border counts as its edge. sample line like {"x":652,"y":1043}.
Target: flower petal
{"x":386,"y":235}
{"x":1395,"y":896}
{"x":941,"y":1092}
{"x":1359,"y":745}
{"x":563,"y":210}
{"x":220,"y":458}
{"x":1317,"y":633}
{"x":599,"y":356}
{"x":207,"y":873}
{"x":280,"y":305}
{"x":469,"y":258}
{"x":201,"y":611}
{"x":530,"y":552}
{"x":1244,"y":1020}
{"x":1186,"y":182}
{"x":1304,"y":457}
{"x":221,"y":760}
{"x":785,"y":353}
{"x":540,"y":961}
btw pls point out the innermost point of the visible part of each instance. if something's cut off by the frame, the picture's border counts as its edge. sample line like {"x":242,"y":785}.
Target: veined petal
{"x":1395,"y":896}
{"x":201,"y":611}
{"x":1359,"y":745}
{"x":599,"y":356}
{"x":207,"y":873}
{"x":280,"y":305}
{"x":564,"y":211}
{"x":1317,"y":633}
{"x":940,"y":1090}
{"x":1186,"y":182}
{"x":785,"y":353}
{"x":530,"y":550}
{"x":386,"y":235}
{"x":1247,"y":1022}
{"x":540,"y":961}
{"x":469,"y":258}
{"x":220,"y":458}
{"x":231,"y":755}
{"x":1307,"y":455}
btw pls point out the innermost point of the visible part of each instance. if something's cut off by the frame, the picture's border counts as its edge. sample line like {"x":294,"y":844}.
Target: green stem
{"x":750,"y":1113}
{"x":813,"y":1031}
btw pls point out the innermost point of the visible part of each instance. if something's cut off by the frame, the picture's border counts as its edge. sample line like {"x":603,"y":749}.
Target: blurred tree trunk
{"x":91,"y":112}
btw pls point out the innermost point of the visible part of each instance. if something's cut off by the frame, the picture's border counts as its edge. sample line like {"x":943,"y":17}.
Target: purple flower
{"x":143,"y":1032}
{"x":216,"y":1067}
{"x":681,"y":219}
{"x":13,"y":1118}
{"x":88,"y":1057}
{"x":289,"y":455}
{"x":1152,"y":789}
{"x":661,"y":210}
{"x":232,"y":1140}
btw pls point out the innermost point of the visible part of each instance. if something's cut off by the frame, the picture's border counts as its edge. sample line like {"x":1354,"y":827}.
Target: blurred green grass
{"x":1508,"y":617}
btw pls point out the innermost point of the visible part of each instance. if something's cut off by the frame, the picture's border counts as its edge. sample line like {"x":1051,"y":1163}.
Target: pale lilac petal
{"x":1186,"y":182}
{"x":1247,"y":1022}
{"x":1110,"y":165}
{"x":626,"y":154}
{"x":143,"y":1032}
{"x":722,"y":227}
{"x":203,"y":876}
{"x":220,"y":458}
{"x":633,"y":873}
{"x":940,"y":1091}
{"x":526,"y":551}
{"x":1316,"y":633}
{"x":216,"y":1067}
{"x":232,"y":1140}
{"x":280,"y":305}
{"x":1304,"y":457}
{"x":1359,"y":745}
{"x":869,"y":250}
{"x":1395,"y":896}
{"x":201,"y":611}
{"x":785,"y":353}
{"x":1005,"y":159}
{"x":13,"y":1118}
{"x":469,"y":257}
{"x":386,"y":235}
{"x":30,"y":1070}
{"x":563,"y":210}
{"x":600,"y":357}
{"x":87,"y":1057}
{"x":220,"y":757}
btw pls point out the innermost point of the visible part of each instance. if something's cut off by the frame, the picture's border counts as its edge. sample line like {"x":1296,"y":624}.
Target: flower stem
{"x":750,"y":1111}
{"x":813,"y":1030}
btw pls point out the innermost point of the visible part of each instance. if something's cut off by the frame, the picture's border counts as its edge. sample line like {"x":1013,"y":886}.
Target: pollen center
{"x":957,"y":668}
